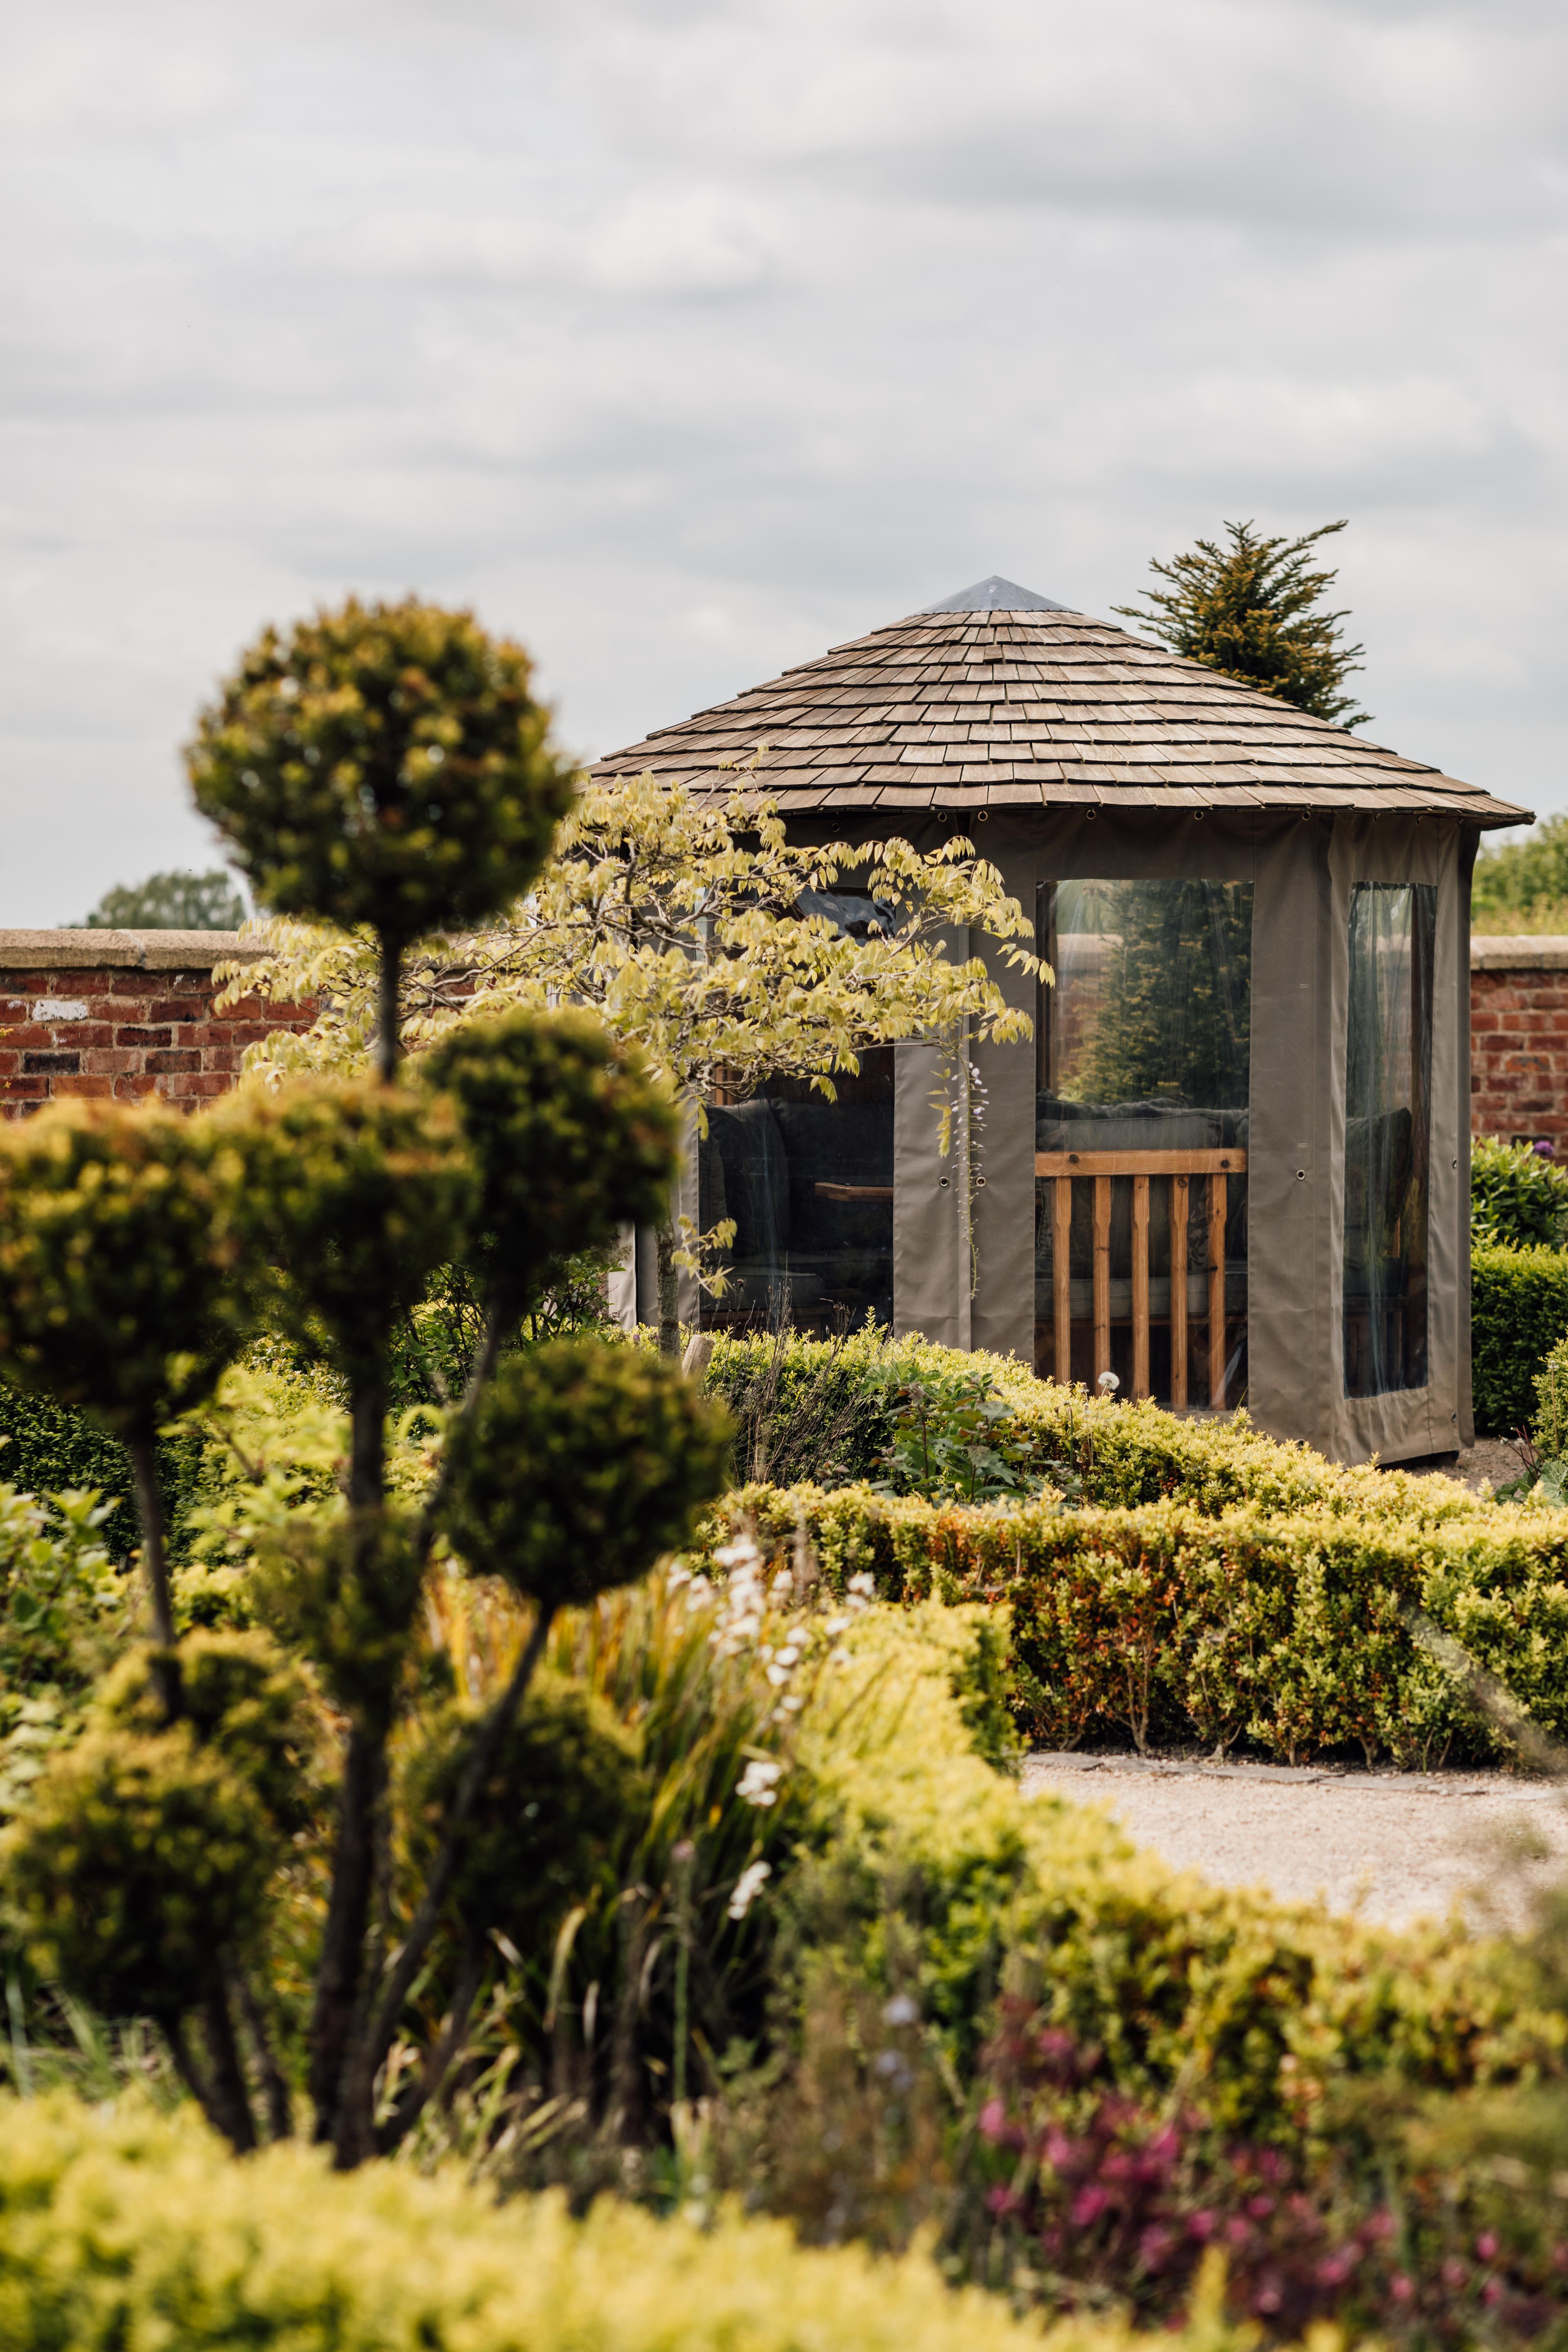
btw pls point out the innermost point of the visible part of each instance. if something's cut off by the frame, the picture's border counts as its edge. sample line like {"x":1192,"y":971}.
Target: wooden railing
{"x":1181,"y":1167}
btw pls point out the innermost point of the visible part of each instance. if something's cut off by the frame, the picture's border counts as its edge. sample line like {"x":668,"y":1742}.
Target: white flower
{"x":1108,"y":1383}
{"x":677,"y":1574}
{"x":778,"y":1677}
{"x":835,"y":1624}
{"x":757,"y":1782}
{"x":743,"y":1554}
{"x":900,"y":2011}
{"x":860,"y":1590}
{"x":748,"y":1885}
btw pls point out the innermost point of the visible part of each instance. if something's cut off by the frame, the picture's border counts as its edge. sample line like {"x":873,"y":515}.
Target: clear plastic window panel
{"x":1142,"y":1119}
{"x":809,"y":1185}
{"x":1388,"y":1121}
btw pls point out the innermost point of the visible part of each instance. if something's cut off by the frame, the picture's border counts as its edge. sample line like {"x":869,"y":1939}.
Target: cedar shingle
{"x":1032,"y":707}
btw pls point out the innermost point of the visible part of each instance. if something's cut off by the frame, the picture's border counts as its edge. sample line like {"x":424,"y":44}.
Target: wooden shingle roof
{"x":980,"y":704}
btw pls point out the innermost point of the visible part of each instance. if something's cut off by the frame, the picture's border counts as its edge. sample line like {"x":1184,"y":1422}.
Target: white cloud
{"x":684,"y":341}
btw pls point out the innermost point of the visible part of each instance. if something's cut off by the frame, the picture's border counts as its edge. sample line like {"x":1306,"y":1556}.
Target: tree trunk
{"x":354,"y":2139}
{"x":230,"y":2099}
{"x":341,"y":1963}
{"x":156,"y":1566}
{"x":668,"y":1293}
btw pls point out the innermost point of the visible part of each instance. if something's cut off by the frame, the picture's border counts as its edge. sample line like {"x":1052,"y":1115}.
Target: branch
{"x":487,"y":1745}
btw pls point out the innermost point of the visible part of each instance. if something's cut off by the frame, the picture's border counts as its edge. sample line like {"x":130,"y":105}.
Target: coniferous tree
{"x":1246,"y":609}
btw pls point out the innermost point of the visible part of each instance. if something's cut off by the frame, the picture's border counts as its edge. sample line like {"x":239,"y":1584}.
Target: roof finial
{"x":996,"y":595}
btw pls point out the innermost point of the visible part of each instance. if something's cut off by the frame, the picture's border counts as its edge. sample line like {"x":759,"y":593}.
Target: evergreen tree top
{"x":1246,"y":610}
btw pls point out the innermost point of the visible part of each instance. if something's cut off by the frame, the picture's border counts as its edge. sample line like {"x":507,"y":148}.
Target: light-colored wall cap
{"x":88,"y":951}
{"x":1522,"y":954}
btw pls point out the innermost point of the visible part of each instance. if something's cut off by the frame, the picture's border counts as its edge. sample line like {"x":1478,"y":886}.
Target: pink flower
{"x":1400,"y":2287}
{"x":1453,"y":2273}
{"x":1486,"y":2247}
{"x":1201,"y":2226}
{"x":992,"y":2119}
{"x":1492,"y":2291}
{"x":1089,"y":2205}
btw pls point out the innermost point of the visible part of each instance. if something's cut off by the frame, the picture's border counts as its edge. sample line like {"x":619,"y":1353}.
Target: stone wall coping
{"x":1530,"y":952}
{"x":88,"y":950}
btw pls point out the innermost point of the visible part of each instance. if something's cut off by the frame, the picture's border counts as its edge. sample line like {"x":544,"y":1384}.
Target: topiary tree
{"x":384,"y":766}
{"x":385,"y":769}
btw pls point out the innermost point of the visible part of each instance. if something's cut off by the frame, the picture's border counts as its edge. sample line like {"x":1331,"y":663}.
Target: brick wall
{"x":1518,"y":1040}
{"x":122,"y":1014}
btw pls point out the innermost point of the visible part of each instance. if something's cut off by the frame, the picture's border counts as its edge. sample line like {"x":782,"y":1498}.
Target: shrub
{"x":1519,"y":1308}
{"x":930,"y":1876}
{"x":1094,"y":2200}
{"x":1287,"y":1631}
{"x":50,"y":1448}
{"x":119,"y":2227}
{"x":1518,"y":1196}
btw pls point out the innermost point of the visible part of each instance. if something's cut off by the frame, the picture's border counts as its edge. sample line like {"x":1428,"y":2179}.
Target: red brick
{"x":111,"y":1061}
{"x":166,"y":1062}
{"x":132,"y":1035}
{"x":93,"y":1089}
{"x":180,"y":1008}
{"x":195,"y":1086}
{"x":134,"y":1088}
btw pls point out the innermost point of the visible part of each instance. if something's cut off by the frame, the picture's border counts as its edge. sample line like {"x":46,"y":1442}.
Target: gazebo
{"x":1232,"y":1166}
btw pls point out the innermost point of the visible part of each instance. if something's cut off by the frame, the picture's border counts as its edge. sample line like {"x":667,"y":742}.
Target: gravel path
{"x":1396,"y":1846}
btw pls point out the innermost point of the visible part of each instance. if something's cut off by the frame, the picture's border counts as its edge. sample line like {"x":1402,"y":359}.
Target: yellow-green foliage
{"x":120,"y":2228}
{"x":383,"y":764}
{"x":1289,"y":1626}
{"x":354,"y":1192}
{"x":1253,"y":2012}
{"x":121,"y":1262}
{"x":621,"y":1450}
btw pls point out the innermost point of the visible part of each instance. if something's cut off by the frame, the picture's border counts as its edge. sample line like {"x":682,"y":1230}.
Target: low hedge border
{"x":1288,"y":1632}
{"x":119,"y":2227}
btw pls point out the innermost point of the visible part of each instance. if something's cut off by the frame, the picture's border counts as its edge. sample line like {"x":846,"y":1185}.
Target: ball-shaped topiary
{"x":137,"y":1860}
{"x":570,"y":1137}
{"x":583,"y":1461}
{"x":246,"y":1701}
{"x":562,"y":1793}
{"x":120,"y":1261}
{"x":353,"y":1192}
{"x":383,"y":764}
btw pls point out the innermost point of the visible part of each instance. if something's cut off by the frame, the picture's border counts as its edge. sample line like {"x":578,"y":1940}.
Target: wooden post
{"x":1101,"y":1276}
{"x":1141,"y":1286}
{"x":1061,"y":1277}
{"x":1216,"y":1292}
{"x":1179,"y":1293}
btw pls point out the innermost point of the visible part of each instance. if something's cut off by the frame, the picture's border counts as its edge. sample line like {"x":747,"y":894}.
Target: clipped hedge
{"x":1251,"y":2011}
{"x":1286,"y":1631}
{"x":1519,"y":1310}
{"x":1125,"y":1452}
{"x":120,"y":2227}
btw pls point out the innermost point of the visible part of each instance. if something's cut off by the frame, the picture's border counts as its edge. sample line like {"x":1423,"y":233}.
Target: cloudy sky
{"x":683,"y":338}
